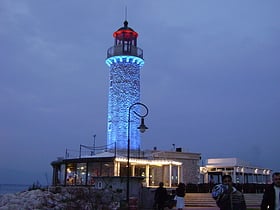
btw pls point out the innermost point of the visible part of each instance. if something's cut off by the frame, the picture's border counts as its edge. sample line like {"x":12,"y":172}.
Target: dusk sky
{"x":211,"y":78}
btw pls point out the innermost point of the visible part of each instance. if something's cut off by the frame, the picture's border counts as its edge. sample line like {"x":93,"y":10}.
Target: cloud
{"x":210,"y":75}
{"x":13,"y":10}
{"x":12,"y":13}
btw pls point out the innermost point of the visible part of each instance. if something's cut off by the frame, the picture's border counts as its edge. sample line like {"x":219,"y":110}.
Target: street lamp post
{"x":142,"y":129}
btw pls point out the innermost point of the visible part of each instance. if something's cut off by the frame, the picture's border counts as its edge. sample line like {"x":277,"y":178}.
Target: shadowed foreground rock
{"x":61,"y":198}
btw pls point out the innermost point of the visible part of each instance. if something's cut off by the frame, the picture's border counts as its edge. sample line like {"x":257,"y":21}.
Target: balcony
{"x":124,"y":50}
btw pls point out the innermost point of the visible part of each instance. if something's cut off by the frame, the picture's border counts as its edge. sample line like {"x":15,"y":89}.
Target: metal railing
{"x":125,"y":50}
{"x":88,"y":151}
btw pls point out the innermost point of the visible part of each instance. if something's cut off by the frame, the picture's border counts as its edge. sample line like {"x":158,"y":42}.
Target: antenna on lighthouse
{"x":125,"y":13}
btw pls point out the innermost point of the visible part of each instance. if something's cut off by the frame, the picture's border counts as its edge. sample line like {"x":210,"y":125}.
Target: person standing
{"x":271,"y":196}
{"x":180,"y":196}
{"x":160,"y":196}
{"x":229,"y":197}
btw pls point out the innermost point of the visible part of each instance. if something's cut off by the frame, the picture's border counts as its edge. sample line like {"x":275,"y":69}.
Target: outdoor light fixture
{"x":142,"y":129}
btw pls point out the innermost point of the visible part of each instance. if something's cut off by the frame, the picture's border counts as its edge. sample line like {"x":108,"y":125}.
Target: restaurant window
{"x":71,"y":174}
{"x":93,"y":171}
{"x":174,"y":176}
{"x":107,"y":169}
{"x":156,"y":175}
{"x":123,"y":169}
{"x":140,"y":170}
{"x":81,"y":174}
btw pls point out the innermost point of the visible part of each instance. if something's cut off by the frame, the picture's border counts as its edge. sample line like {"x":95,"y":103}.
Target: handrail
{"x":119,"y":50}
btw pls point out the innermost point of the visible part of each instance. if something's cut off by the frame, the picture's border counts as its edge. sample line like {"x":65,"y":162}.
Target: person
{"x":180,"y":196}
{"x":227,"y":196}
{"x":160,"y":196}
{"x":271,"y":196}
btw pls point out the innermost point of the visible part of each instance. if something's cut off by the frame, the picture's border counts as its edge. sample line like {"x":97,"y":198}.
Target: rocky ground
{"x":61,"y":198}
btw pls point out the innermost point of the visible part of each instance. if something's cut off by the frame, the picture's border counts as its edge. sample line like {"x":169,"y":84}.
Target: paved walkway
{"x":201,"y":208}
{"x":190,"y":208}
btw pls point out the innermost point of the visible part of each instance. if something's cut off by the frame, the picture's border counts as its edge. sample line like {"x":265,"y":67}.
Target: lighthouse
{"x":125,"y":60}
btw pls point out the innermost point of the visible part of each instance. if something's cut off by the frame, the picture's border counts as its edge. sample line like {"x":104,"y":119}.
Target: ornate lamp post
{"x":142,"y":129}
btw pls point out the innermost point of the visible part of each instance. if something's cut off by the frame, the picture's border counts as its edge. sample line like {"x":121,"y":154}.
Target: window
{"x":93,"y":171}
{"x":107,"y":169}
{"x":71,"y":174}
{"x":81,"y":174}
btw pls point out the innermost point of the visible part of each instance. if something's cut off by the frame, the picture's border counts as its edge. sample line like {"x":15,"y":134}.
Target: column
{"x":133,"y":170}
{"x":179,"y":174}
{"x":170,"y":174}
{"x":147,"y":175}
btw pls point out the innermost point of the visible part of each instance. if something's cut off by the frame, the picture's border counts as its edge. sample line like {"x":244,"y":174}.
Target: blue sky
{"x":210,"y":79}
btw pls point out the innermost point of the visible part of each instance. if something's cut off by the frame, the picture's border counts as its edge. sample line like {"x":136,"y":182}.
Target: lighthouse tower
{"x":125,"y":60}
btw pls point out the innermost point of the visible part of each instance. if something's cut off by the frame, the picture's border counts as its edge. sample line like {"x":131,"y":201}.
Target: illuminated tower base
{"x":125,"y":60}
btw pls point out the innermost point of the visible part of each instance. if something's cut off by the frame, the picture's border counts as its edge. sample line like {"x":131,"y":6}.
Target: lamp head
{"x":142,"y":127}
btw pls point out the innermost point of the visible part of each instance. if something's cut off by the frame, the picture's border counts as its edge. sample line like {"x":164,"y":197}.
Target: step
{"x":206,"y":200}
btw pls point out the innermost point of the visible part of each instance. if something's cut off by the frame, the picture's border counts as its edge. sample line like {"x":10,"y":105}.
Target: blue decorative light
{"x":124,"y":90}
{"x":123,"y":58}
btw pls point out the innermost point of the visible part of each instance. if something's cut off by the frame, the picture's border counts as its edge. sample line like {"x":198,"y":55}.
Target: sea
{"x":12,"y":188}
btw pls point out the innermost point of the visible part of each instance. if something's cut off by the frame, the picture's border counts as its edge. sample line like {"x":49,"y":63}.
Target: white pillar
{"x":147,"y":175}
{"x":133,"y":170}
{"x":170,"y":174}
{"x":117,"y":168}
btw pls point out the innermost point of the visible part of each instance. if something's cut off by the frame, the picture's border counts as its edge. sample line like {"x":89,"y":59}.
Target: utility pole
{"x":94,"y":144}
